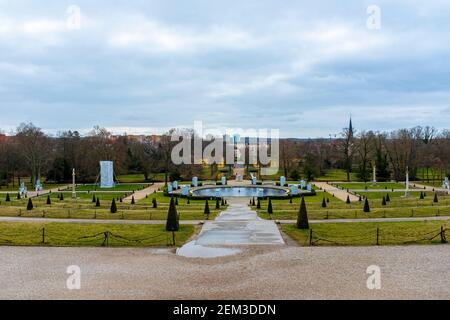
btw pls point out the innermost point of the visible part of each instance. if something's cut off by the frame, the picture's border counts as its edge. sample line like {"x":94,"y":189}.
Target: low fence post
{"x":443,"y":238}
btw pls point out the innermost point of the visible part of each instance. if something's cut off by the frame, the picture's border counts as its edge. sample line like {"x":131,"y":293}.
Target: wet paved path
{"x":236,"y":226}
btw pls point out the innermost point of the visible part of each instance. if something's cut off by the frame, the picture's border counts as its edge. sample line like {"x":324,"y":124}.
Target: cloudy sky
{"x":299,"y":66}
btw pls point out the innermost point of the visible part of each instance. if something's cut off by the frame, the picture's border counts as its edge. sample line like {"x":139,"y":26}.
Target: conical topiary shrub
{"x":302,"y":219}
{"x":49,"y":201}
{"x":435,"y":198}
{"x":172,"y":223}
{"x":97,"y":202}
{"x":61,"y":197}
{"x":324,"y":203}
{"x":94,"y":200}
{"x":366,"y":205}
{"x":290,"y":199}
{"x":113,"y":206}
{"x":217,"y":203}
{"x":388,"y":198}
{"x":421,"y":195}
{"x":18,"y":196}
{"x":30,"y":204}
{"x":359,"y":199}
{"x":132,"y":200}
{"x":7,"y":199}
{"x":188,"y":201}
{"x":258,"y":204}
{"x":223,"y":202}
{"x":253,"y":201}
{"x":328,"y":200}
{"x":176,"y":201}
{"x":383,"y":202}
{"x":206,"y":210}
{"x":348,"y":200}
{"x":154,"y":203}
{"x":269,"y":207}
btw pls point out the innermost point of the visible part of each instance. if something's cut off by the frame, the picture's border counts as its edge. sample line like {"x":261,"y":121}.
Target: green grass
{"x":45,"y":186}
{"x":397,"y":208}
{"x":370,"y":185}
{"x":337,"y":175}
{"x":117,"y":187}
{"x":81,"y":234}
{"x":380,"y":195}
{"x":132,"y":178}
{"x":365,"y":233}
{"x":84,"y":208}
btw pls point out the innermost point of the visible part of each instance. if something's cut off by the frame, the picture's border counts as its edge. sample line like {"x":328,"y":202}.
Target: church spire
{"x":350,"y":127}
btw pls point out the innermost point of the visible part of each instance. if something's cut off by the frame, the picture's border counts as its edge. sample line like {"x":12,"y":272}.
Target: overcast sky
{"x":301,"y":67}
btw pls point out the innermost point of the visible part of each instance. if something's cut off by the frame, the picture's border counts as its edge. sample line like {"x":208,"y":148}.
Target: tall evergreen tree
{"x":302,"y":219}
{"x":172,"y":223}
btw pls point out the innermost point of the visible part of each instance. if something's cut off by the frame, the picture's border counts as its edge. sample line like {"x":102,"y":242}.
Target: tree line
{"x":32,"y":153}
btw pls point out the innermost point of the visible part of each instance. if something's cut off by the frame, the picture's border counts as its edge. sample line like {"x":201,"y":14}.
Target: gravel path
{"x":141,"y":194}
{"x":338,"y":193}
{"x":278,"y":272}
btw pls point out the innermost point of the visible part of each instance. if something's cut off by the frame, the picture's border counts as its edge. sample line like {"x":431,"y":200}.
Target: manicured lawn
{"x":133,"y":178}
{"x":84,"y":208}
{"x":117,"y":187}
{"x":45,"y":186}
{"x":80,"y":234}
{"x":370,"y":185}
{"x":337,"y":175}
{"x":335,"y":209}
{"x":381,"y":194}
{"x":365,"y":233}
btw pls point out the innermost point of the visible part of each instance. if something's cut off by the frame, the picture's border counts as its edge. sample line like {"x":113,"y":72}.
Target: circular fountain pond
{"x":240,"y":192}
